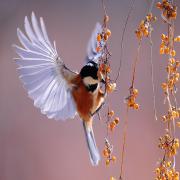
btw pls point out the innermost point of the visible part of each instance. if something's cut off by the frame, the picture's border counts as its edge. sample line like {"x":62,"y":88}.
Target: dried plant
{"x":168,"y":143}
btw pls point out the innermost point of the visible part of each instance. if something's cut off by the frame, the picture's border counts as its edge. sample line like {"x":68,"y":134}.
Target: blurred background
{"x":33,"y":147}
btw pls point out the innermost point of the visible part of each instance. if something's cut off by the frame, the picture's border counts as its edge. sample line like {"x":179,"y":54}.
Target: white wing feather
{"x":40,"y":71}
{"x":92,"y":54}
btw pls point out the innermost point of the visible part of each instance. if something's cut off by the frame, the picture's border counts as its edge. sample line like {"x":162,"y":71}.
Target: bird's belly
{"x":84,"y":101}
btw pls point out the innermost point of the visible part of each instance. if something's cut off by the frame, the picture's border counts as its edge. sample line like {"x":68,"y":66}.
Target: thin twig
{"x":151,"y":6}
{"x":135,"y":64}
{"x":124,"y":145}
{"x":122,"y":38}
{"x":104,"y":8}
{"x":152,"y":77}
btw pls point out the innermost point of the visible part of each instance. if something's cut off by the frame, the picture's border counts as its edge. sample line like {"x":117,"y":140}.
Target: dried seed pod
{"x":98,"y":49}
{"x":108,"y":32}
{"x":99,"y":37}
{"x":106,"y":37}
{"x":111,"y":113}
{"x":113,"y":158}
{"x":116,"y":120}
{"x":107,"y":162}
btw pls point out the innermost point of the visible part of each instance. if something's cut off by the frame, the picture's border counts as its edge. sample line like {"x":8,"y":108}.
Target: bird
{"x":57,"y":91}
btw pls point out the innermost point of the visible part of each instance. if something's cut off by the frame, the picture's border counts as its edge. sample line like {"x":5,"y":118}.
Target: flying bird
{"x":57,"y":91}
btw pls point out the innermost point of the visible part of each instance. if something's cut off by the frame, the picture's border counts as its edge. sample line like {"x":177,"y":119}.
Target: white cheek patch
{"x":89,"y":81}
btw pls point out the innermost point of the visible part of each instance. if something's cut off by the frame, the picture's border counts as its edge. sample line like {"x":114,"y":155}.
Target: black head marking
{"x":90,"y":69}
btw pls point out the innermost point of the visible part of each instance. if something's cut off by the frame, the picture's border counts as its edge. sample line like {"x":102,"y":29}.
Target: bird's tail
{"x":93,"y":150}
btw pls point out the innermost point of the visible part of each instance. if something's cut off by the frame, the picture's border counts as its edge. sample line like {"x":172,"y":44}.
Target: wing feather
{"x":40,"y":71}
{"x":92,"y":54}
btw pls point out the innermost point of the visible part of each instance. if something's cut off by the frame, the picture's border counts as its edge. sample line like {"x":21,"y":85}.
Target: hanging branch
{"x":168,"y":142}
{"x":122,"y":39}
{"x":144,"y":30}
{"x":104,"y":69}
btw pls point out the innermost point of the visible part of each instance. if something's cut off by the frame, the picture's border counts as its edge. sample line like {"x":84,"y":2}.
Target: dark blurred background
{"x":33,"y":147}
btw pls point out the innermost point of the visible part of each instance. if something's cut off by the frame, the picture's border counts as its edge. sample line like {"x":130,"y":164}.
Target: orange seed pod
{"x":98,"y":49}
{"x":111,"y":113}
{"x":99,"y":38}
{"x":116,"y":120}
{"x":108,"y":32}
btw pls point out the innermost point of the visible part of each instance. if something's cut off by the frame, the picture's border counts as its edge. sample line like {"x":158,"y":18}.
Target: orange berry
{"x":159,"y":5}
{"x":177,"y":63}
{"x":166,"y":50}
{"x":161,"y":51}
{"x":135,"y":92}
{"x":177,"y":75}
{"x":113,"y":158}
{"x":173,"y":14}
{"x":112,"y":125}
{"x":116,"y":120}
{"x":164,"y":118}
{"x":98,"y":49}
{"x":176,"y":176}
{"x":168,"y":164}
{"x":109,"y":88}
{"x":112,"y":178}
{"x":106,"y":19}
{"x":173,"y":53}
{"x":150,"y":15}
{"x":111,"y":113}
{"x":106,"y":37}
{"x":108,"y":32}
{"x":136,"y":106}
{"x":157,"y":171}
{"x":107,"y":162}
{"x":164,"y":86}
{"x":165,"y":13}
{"x":162,"y":45}
{"x":146,"y":32}
{"x":178,"y":124}
{"x":105,"y":153}
{"x":177,"y":39}
{"x":172,"y":60}
{"x":163,"y":37}
{"x":139,"y":34}
{"x":99,"y":37}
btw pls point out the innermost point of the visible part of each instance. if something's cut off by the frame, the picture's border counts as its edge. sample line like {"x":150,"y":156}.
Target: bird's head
{"x":90,"y":74}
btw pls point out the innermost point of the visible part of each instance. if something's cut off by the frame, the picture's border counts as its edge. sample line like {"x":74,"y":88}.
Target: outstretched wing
{"x":43,"y":73}
{"x":92,"y":54}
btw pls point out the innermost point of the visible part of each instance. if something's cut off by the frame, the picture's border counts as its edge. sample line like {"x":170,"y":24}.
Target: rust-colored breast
{"x":83,"y":98}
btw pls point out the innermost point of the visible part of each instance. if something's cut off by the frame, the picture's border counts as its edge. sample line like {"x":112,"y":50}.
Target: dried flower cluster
{"x":169,"y":11}
{"x":144,"y":29}
{"x":104,"y":68}
{"x":104,"y":65}
{"x":104,"y":36}
{"x":107,"y":152}
{"x":112,"y":122}
{"x":132,"y":98}
{"x":169,"y":143}
{"x":167,"y":170}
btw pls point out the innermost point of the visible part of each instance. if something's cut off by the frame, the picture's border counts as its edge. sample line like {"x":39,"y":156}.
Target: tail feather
{"x":93,"y":150}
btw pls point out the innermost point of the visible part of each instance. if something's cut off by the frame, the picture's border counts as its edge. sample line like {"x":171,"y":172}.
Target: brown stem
{"x":122,"y":39}
{"x":124,"y":145}
{"x":134,"y":65}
